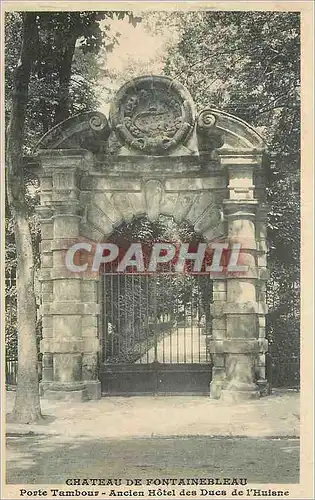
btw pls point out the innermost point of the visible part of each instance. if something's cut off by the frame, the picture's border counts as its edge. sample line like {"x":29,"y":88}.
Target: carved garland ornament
{"x":152,"y":114}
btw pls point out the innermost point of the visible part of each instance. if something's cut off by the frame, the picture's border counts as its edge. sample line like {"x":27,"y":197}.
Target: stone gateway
{"x":154,"y":156}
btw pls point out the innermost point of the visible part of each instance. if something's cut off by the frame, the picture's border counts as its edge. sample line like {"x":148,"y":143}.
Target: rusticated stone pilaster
{"x":64,"y":349}
{"x":241,"y":346}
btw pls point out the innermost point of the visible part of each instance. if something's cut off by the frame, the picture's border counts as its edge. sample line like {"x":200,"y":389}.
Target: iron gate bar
{"x":136,"y":321}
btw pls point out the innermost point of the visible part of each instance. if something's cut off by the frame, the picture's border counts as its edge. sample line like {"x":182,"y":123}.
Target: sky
{"x":138,"y":50}
{"x":134,"y":43}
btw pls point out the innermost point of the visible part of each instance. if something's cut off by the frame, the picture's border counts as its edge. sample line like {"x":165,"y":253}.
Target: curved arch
{"x":237,"y":134}
{"x":105,"y":211}
{"x":86,"y":130}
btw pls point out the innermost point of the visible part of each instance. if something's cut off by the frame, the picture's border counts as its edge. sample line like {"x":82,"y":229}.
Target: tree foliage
{"x":41,"y":91}
{"x":248,"y":64}
{"x":90,"y":33}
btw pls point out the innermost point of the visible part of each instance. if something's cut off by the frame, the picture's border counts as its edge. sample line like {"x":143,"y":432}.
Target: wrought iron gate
{"x":153,"y":334}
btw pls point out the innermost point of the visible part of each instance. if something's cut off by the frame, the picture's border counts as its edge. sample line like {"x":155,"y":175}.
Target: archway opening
{"x":155,"y":325}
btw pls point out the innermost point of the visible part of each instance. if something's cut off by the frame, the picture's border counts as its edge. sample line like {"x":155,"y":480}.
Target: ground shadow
{"x":43,"y":459}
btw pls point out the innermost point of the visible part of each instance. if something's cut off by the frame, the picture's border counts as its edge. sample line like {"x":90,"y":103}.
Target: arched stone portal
{"x":153,"y":156}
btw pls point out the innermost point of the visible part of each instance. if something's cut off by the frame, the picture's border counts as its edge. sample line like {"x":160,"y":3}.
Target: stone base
{"x":88,"y":390}
{"x":238,"y":396}
{"x":64,"y":392}
{"x":215,"y":389}
{"x":93,"y":388}
{"x":75,"y":396}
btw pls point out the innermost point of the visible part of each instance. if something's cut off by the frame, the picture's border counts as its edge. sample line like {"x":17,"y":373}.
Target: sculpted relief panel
{"x":152,"y":114}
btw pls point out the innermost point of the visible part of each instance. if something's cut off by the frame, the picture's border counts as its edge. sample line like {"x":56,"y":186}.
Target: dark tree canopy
{"x":248,"y":64}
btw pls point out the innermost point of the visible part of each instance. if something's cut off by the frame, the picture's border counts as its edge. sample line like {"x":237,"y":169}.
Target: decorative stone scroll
{"x":88,"y":130}
{"x":209,"y":136}
{"x":152,"y":114}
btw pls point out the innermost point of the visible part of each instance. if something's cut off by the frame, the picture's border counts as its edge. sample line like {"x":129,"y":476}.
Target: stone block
{"x":62,"y":346}
{"x":94,"y":389}
{"x":216,"y":389}
{"x":196,"y":184}
{"x":183,"y":204}
{"x":47,"y":287}
{"x":46,"y":183}
{"x":47,"y":298}
{"x":47,"y":230}
{"x":88,"y":287}
{"x":239,"y":276}
{"x":90,"y":365}
{"x":217,"y":309}
{"x":211,"y":234}
{"x":45,"y":246}
{"x":219,"y":296}
{"x":92,"y":233}
{"x":67,"y":367}
{"x":46,"y":260}
{"x":62,"y":243}
{"x":74,"y":308}
{"x":91,"y":345}
{"x":89,"y":321}
{"x":237,"y":346}
{"x":249,"y":307}
{"x":67,"y":326}
{"x":219,"y":364}
{"x":219,"y":286}
{"x":47,"y":321}
{"x":241,"y":193}
{"x":105,"y":183}
{"x":66,"y":226}
{"x":240,"y":176}
{"x":99,"y":218}
{"x":46,"y":198}
{"x":241,"y":326}
{"x":89,"y":332}
{"x":44,"y":309}
{"x":200,"y":205}
{"x":241,"y":290}
{"x":47,"y":332}
{"x":63,"y":273}
{"x":218,"y":334}
{"x":233,"y":161}
{"x":65,"y":290}
{"x":209,"y":220}
{"x":102,"y":201}
{"x":219,"y":323}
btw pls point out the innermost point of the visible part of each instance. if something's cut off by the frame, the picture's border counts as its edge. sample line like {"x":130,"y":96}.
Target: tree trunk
{"x":62,"y":108}
{"x":27,"y":402}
